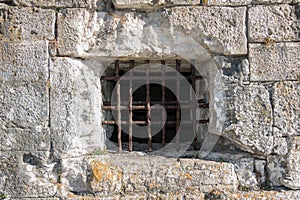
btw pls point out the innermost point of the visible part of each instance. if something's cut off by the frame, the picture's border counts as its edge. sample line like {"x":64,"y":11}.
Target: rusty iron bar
{"x":201,"y":103}
{"x":112,"y":122}
{"x":193,"y":104}
{"x":131,"y":66}
{"x":116,"y":78}
{"x":163,"y":98}
{"x":144,"y":107}
{"x":117,"y":65}
{"x":178,"y":63}
{"x":148,"y":107}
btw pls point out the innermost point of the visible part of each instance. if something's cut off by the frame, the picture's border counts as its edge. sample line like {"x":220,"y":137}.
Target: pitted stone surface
{"x":144,"y":175}
{"x":249,"y":124}
{"x":55,"y":3}
{"x":291,"y":177}
{"x":25,"y":175}
{"x":128,"y":34}
{"x":75,"y":107}
{"x":271,"y":1}
{"x":132,"y":4}
{"x":75,"y":27}
{"x":23,"y":79}
{"x":287,"y":108}
{"x":279,"y":22}
{"x":229,"y":2}
{"x":274,"y":63}
{"x":20,"y":23}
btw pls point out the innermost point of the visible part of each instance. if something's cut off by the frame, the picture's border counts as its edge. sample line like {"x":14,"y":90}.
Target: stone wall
{"x":54,"y":52}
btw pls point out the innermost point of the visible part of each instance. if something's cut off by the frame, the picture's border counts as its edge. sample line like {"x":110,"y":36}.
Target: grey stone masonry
{"x":278,"y":22}
{"x":53,"y":144}
{"x":20,"y":23}
{"x":277,"y":62}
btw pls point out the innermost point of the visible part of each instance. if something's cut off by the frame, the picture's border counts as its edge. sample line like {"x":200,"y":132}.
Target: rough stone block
{"x":271,"y":1}
{"x":16,"y":139}
{"x":274,"y":63}
{"x":55,"y":3}
{"x":133,"y":174}
{"x":75,"y":27}
{"x":292,"y":170}
{"x":286,"y":102}
{"x":20,"y":23}
{"x":172,"y":31}
{"x":132,"y":4}
{"x":75,"y":107}
{"x":249,"y":118}
{"x":25,"y":175}
{"x":275,"y":169}
{"x":223,"y":36}
{"x":229,"y":3}
{"x":278,"y":22}
{"x":23,"y":79}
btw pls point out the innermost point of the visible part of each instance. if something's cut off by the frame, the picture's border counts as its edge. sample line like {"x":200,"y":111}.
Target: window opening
{"x":137,"y":108}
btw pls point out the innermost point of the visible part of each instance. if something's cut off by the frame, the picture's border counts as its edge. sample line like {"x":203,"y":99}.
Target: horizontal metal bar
{"x":144,"y":107}
{"x":151,"y":78}
{"x":200,"y":102}
{"x":112,"y":122}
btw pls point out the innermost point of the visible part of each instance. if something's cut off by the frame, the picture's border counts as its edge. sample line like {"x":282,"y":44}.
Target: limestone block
{"x":16,"y":139}
{"x":244,"y":168}
{"x":178,"y":30}
{"x":276,"y":168}
{"x":229,"y":3}
{"x":55,"y":3}
{"x":271,"y":1}
{"x":75,"y":174}
{"x":25,"y":175}
{"x":132,"y":4}
{"x":75,"y":108}
{"x":208,"y":174}
{"x":292,"y":170}
{"x":286,"y":102}
{"x":249,"y":118}
{"x":274,"y":63}
{"x":278,"y":22}
{"x":288,"y":194}
{"x":75,"y":27}
{"x":20,"y":23}
{"x":23,"y":79}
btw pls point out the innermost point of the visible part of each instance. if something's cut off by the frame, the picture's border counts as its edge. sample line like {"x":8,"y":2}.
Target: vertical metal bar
{"x":118,"y":106}
{"x":163,"y":98}
{"x":130,"y":106}
{"x":193,"y":105}
{"x":178,"y":63}
{"x":148,"y":107}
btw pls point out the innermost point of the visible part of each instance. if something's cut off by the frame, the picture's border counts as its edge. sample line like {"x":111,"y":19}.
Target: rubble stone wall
{"x":54,"y":52}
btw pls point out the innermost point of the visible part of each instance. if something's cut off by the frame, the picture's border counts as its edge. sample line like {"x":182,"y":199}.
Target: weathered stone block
{"x":25,"y":175}
{"x":271,"y":1}
{"x":249,"y":118}
{"x":55,"y":3}
{"x":158,"y":33}
{"x":75,"y":107}
{"x":279,"y":22}
{"x":274,"y":63}
{"x":17,"y":139}
{"x":23,"y":79}
{"x":75,"y":27}
{"x":132,"y":4}
{"x":292,"y":170}
{"x":20,"y":23}
{"x":229,"y":3}
{"x":275,"y":168}
{"x":286,"y":102}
